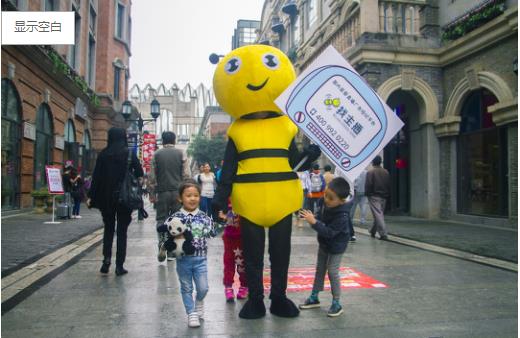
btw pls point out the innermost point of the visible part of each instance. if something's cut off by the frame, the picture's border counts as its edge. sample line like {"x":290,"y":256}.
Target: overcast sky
{"x":172,"y":39}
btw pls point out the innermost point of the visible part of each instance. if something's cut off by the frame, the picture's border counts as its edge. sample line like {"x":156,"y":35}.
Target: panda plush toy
{"x":180,"y":239}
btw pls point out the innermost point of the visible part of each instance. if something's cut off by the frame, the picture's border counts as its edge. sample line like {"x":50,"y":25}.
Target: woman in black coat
{"x":108,"y":175}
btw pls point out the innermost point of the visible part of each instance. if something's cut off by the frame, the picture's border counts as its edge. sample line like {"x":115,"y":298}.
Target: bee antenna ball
{"x":214,"y":58}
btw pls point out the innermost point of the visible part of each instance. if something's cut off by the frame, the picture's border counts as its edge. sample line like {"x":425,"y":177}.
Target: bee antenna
{"x":214,"y":58}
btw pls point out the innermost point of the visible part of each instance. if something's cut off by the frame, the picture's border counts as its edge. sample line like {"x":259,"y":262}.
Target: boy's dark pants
{"x":253,"y":239}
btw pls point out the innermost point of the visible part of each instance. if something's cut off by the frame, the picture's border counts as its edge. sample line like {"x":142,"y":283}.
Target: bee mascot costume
{"x":257,"y":171}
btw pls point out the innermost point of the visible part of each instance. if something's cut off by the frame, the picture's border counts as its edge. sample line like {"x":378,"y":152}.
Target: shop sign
{"x":148,"y":148}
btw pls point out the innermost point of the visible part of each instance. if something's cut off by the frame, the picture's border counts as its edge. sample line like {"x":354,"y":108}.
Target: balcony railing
{"x":399,"y":17}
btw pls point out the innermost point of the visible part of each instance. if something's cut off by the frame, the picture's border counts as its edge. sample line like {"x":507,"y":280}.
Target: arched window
{"x":85,"y":155}
{"x":11,"y":140}
{"x":70,"y":153}
{"x":482,"y":159}
{"x":43,"y":145}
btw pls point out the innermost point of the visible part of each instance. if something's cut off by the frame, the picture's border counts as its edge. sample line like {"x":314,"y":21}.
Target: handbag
{"x":130,"y":194}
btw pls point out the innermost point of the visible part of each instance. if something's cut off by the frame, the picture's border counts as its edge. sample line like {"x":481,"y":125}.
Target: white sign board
{"x":59,"y":142}
{"x":336,"y":108}
{"x":29,"y":131}
{"x":54,"y":180}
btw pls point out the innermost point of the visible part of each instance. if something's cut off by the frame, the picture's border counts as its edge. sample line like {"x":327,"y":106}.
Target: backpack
{"x":316,"y":182}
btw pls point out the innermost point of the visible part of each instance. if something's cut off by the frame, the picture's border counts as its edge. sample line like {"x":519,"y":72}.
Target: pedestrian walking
{"x":67,"y":196}
{"x":208,"y":185}
{"x":233,"y":256}
{"x":76,"y":191}
{"x":377,"y":189}
{"x":316,"y":188}
{"x":192,"y":268}
{"x":328,"y":175}
{"x":168,"y":169}
{"x":109,"y":173}
{"x":332,"y":226}
{"x":360,"y":198}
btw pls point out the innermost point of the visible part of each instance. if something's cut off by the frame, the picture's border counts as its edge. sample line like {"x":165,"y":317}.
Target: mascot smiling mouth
{"x":255,"y":88}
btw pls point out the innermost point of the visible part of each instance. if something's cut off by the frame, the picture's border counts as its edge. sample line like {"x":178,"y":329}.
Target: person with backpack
{"x":316,"y":187}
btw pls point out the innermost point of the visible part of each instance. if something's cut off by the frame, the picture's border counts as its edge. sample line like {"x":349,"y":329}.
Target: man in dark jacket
{"x":168,"y":169}
{"x":377,"y":189}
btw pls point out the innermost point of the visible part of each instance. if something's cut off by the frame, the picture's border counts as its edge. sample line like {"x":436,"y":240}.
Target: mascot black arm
{"x":229,"y":170}
{"x":312,"y":151}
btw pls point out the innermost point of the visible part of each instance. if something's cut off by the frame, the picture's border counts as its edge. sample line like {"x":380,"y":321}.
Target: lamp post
{"x":155,"y":111}
{"x":155,"y":108}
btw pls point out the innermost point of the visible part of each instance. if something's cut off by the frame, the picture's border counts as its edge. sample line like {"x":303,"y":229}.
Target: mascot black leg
{"x":254,"y":236}
{"x":279,"y":255}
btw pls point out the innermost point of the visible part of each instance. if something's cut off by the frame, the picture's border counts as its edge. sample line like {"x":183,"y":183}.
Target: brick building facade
{"x":59,"y":101}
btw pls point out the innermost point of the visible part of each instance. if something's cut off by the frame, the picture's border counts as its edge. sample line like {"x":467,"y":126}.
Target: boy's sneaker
{"x":199,"y":307}
{"x":310,"y":303}
{"x":230,"y":296}
{"x":242,"y":292}
{"x":335,"y":310}
{"x":193,"y":320}
{"x":161,"y":256}
{"x":353,"y":238}
{"x":78,"y":216}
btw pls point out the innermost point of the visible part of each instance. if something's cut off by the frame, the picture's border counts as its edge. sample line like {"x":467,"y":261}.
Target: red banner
{"x":148,"y":149}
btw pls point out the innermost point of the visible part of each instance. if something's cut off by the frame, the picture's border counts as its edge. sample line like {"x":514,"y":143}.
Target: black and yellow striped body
{"x":265,"y":188}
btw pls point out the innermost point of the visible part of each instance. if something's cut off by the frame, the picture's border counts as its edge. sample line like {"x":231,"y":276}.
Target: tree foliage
{"x":203,"y":149}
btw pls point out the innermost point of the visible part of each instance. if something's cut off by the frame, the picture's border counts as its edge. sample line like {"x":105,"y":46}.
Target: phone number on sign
{"x":320,"y":120}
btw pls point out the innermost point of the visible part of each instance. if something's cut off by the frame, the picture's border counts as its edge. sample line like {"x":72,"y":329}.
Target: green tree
{"x":203,"y":149}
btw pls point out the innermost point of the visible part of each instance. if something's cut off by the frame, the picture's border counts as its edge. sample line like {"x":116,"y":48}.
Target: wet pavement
{"x":426,"y":295}
{"x":27,"y":237}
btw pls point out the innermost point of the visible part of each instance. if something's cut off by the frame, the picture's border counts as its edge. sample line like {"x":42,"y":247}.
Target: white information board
{"x":54,"y":180}
{"x":336,"y":108}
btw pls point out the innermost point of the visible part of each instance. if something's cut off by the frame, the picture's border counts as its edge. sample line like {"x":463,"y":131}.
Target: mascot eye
{"x":233,"y":65}
{"x":270,"y":61}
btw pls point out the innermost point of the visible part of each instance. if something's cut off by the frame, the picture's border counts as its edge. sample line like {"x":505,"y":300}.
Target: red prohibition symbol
{"x":345,"y":162}
{"x":299,"y":117}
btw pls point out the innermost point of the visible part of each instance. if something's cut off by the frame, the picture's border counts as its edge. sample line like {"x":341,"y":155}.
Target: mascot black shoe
{"x":258,"y":173}
{"x":253,"y":309}
{"x":283,"y":307}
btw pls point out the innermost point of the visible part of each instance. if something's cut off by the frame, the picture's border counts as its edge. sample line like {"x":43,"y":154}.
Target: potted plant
{"x":40,"y":197}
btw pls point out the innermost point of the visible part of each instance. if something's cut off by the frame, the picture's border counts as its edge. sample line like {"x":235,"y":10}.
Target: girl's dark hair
{"x":188,"y":184}
{"x":340,"y":186}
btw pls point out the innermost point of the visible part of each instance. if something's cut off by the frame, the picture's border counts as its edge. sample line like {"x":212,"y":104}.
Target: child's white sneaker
{"x":193,"y":320}
{"x":199,"y":307}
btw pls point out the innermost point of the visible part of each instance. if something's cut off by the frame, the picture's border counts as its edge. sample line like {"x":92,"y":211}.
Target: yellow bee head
{"x":250,"y":78}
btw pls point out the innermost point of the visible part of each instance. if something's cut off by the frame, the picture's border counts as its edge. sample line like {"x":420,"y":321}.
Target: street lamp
{"x":154,"y":111}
